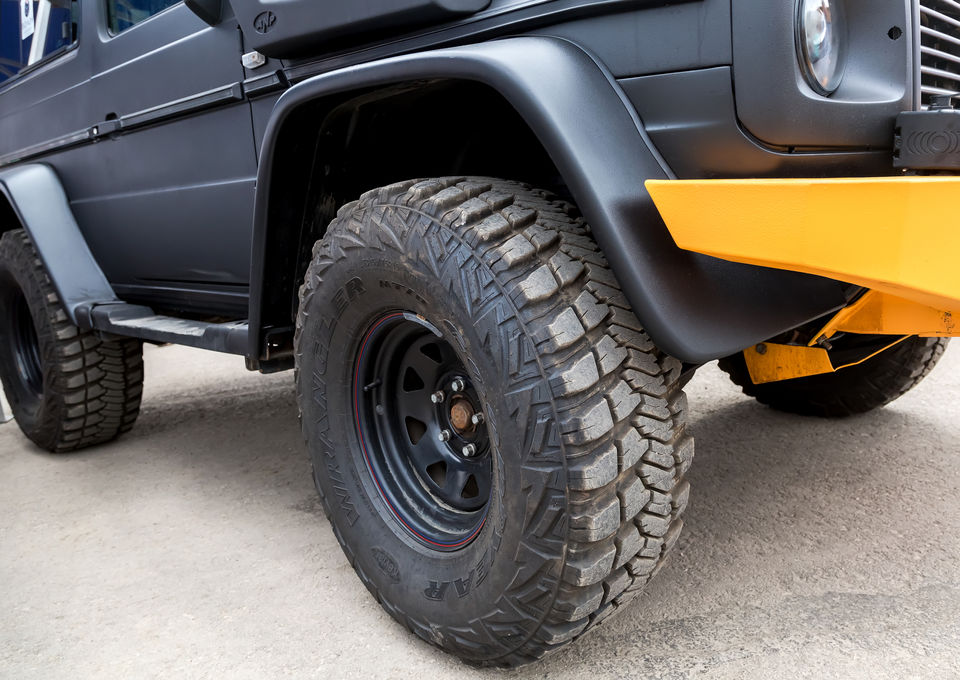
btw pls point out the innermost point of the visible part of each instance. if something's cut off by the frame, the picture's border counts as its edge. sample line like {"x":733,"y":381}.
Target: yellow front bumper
{"x":896,"y":235}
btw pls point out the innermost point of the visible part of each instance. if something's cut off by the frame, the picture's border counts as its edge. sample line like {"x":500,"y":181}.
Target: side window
{"x":122,"y":14}
{"x":32,"y":30}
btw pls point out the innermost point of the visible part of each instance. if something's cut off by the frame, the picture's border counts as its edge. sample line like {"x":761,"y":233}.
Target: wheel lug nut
{"x":444,"y":435}
{"x":437,"y":397}
{"x":469,"y":451}
{"x":476,"y":418}
{"x":458,"y":385}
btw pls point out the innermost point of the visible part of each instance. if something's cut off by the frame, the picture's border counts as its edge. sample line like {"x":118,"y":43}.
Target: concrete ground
{"x":195,"y":548}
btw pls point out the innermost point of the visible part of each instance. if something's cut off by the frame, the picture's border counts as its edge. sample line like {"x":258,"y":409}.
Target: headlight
{"x":821,"y":43}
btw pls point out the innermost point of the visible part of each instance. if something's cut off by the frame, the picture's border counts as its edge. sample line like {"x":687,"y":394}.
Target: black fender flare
{"x":695,"y":307}
{"x":40,"y":203}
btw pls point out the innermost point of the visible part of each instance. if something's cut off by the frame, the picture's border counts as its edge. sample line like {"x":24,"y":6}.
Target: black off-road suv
{"x":494,"y":239}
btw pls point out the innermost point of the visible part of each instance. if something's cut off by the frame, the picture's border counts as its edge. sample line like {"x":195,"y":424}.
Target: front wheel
{"x":499,"y":446}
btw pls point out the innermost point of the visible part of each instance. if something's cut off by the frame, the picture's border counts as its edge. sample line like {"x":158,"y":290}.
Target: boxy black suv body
{"x":445,"y":215}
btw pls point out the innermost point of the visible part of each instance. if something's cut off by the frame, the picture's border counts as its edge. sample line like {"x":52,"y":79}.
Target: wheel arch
{"x":695,"y":307}
{"x":330,"y":151}
{"x":34,"y":199}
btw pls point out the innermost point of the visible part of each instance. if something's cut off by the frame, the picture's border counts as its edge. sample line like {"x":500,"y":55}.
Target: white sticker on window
{"x":26,"y":19}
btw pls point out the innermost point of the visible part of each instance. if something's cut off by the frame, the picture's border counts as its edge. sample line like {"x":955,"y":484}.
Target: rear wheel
{"x":67,"y":388}
{"x":857,"y":389}
{"x":499,"y":446}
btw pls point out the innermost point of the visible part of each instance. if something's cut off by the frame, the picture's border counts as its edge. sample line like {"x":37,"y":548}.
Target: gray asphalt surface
{"x":195,"y":548}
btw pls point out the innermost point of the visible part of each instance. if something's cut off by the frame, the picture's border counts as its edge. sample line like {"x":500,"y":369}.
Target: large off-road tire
{"x":579,"y":459}
{"x":849,"y":391}
{"x":67,"y":388}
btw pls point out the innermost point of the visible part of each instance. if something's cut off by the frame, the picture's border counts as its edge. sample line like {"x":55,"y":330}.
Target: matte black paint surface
{"x":88,"y":299}
{"x":692,"y":119}
{"x":156,"y":136}
{"x":291,"y":28}
{"x":776,"y":104}
{"x":158,"y":203}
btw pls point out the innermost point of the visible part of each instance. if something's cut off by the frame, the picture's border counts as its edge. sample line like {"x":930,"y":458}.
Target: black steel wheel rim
{"x":422,"y":431}
{"x":26,"y":347}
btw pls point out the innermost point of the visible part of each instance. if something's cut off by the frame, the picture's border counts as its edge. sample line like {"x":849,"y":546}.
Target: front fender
{"x":695,"y":307}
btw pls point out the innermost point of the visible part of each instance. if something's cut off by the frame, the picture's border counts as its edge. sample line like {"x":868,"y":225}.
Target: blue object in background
{"x":14,"y":52}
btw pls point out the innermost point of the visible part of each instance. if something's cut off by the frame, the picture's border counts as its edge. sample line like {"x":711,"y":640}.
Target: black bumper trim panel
{"x":927,"y":140}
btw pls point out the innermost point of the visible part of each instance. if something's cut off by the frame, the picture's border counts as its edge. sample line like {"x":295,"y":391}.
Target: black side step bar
{"x":136,"y":321}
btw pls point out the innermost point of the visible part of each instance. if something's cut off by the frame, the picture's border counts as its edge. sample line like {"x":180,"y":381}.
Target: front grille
{"x":939,"y":48}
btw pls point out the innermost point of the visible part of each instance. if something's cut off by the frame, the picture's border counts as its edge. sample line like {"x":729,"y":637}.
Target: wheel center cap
{"x":461,"y":415}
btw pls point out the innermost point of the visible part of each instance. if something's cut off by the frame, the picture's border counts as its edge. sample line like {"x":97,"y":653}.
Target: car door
{"x":165,"y":194}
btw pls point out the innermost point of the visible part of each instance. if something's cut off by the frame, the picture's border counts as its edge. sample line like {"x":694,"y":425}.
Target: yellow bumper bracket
{"x":770,"y":362}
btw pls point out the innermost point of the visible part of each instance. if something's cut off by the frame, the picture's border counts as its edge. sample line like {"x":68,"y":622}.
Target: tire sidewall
{"x":30,"y":412}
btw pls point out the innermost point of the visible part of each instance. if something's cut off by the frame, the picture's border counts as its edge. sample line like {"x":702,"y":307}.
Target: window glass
{"x":31,"y":30}
{"x":122,"y":14}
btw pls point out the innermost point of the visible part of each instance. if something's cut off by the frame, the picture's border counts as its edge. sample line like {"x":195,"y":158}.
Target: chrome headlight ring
{"x":821,"y":32}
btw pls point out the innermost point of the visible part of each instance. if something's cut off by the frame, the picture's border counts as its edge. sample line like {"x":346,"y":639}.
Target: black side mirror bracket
{"x":208,"y":10}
